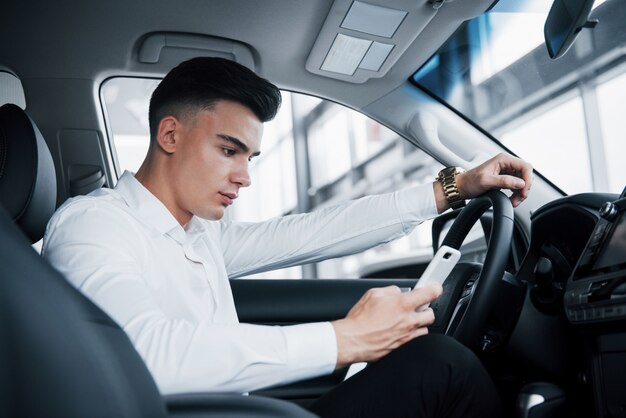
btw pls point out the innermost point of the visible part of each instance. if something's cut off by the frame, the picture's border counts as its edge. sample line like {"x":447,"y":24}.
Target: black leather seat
{"x":60,"y":355}
{"x":27,"y":178}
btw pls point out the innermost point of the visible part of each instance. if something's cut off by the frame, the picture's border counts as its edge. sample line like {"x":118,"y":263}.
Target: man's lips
{"x":228,"y":198}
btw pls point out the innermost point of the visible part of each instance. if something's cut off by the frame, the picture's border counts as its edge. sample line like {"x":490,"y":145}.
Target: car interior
{"x":540,"y":297}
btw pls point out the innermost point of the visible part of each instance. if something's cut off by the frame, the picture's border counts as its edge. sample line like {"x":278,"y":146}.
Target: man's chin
{"x":212,"y":215}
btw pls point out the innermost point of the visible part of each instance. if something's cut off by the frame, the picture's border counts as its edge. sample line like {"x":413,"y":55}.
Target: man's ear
{"x":167,"y":134}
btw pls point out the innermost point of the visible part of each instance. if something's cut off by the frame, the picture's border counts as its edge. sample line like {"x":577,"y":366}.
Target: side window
{"x":341,"y":155}
{"x":126,"y":102}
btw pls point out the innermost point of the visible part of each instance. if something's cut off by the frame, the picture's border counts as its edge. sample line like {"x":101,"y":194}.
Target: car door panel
{"x":284,"y":302}
{"x":288,"y":302}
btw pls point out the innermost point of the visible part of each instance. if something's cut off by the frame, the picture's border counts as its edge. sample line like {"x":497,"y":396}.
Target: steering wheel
{"x":476,"y":296}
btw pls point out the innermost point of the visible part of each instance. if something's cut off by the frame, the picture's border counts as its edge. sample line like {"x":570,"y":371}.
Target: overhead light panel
{"x":372,"y":19}
{"x":346,"y":54}
{"x":376,"y":56}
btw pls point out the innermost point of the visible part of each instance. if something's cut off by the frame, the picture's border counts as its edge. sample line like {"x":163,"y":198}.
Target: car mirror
{"x":565,"y":21}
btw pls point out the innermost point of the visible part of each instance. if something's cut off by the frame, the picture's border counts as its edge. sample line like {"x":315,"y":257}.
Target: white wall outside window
{"x":538,"y":141}
{"x":611,"y":100}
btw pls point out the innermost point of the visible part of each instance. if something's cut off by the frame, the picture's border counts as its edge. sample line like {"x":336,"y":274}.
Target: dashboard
{"x":596,"y":290}
{"x":575,"y":268}
{"x":579,"y":258}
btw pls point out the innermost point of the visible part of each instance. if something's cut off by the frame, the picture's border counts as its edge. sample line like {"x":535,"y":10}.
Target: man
{"x":156,"y":256}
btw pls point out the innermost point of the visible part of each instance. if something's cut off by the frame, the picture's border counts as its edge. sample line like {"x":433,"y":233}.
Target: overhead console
{"x":364,"y":39}
{"x":596,"y":290}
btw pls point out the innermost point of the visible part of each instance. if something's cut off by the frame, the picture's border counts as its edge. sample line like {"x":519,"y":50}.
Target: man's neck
{"x":157,"y":183}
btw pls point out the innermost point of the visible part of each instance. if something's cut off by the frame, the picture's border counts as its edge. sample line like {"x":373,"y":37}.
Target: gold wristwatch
{"x":447,"y":178}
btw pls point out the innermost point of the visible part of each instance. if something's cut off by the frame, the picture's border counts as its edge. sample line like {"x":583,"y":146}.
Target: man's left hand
{"x":503,"y":171}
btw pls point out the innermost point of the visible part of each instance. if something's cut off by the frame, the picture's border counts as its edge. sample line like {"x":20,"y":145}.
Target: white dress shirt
{"x":168,"y":287}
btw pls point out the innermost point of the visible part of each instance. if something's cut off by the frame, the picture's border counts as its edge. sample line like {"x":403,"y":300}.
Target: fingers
{"x":408,"y":337}
{"x":416,"y":320}
{"x":377,"y":292}
{"x":526,"y":173}
{"x":383,"y":319}
{"x":418,"y":327}
{"x":503,"y":171}
{"x":509,"y":182}
{"x":516,"y":199}
{"x":517,"y":174}
{"x":423,"y":318}
{"x":518,"y":186}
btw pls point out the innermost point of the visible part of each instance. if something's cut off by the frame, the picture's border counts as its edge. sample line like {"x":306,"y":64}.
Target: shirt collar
{"x":195,"y":227}
{"x":150,"y":209}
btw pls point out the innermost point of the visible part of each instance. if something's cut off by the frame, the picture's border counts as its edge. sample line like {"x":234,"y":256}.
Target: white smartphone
{"x":439,"y":268}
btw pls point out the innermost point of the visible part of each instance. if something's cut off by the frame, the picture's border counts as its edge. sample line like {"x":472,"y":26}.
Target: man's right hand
{"x":381,"y":321}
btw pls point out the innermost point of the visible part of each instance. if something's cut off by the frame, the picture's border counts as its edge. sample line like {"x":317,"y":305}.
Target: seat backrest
{"x":60,"y":355}
{"x":27,"y":177}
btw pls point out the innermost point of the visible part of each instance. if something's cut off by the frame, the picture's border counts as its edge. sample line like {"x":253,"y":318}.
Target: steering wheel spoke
{"x":472,"y":288}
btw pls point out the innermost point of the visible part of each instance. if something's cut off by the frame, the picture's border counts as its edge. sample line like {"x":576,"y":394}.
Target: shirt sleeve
{"x":99,"y":252}
{"x":336,"y":231}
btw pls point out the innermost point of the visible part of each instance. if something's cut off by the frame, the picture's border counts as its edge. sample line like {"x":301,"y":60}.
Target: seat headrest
{"x":11,"y":90}
{"x":27,"y":176}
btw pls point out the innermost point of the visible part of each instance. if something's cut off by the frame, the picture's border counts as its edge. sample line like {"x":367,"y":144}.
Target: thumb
{"x":423,"y":295}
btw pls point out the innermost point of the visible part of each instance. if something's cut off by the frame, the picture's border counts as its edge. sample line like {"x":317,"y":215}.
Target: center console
{"x":595,"y":302}
{"x":596,"y":290}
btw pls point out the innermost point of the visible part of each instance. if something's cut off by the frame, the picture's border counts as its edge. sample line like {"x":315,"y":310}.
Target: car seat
{"x":60,"y":355}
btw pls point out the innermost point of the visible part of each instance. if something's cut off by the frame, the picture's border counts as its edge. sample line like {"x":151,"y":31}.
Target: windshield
{"x":565,"y":116}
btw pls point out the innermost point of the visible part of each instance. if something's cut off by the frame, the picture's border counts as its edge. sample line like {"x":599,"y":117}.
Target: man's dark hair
{"x":199,"y":83}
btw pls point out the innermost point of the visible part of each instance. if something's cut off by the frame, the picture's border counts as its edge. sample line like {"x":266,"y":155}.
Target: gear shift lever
{"x":540,"y":400}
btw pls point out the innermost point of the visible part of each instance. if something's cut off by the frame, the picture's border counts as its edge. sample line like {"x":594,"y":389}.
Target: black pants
{"x":431,"y":376}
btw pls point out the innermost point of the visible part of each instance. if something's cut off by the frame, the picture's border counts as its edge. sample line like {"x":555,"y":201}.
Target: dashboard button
{"x":608,"y":211}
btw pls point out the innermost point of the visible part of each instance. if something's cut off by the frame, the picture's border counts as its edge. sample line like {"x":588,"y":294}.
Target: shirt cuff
{"x":312,"y":348}
{"x":417,"y":203}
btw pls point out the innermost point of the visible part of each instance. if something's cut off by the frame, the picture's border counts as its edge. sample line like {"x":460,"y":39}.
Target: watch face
{"x":447,"y":171}
{"x":451,"y":171}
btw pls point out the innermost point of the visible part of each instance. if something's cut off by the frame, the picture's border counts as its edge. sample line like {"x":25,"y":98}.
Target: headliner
{"x":95,"y":40}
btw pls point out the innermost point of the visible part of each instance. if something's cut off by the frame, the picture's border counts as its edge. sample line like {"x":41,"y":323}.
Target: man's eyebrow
{"x":238,"y":143}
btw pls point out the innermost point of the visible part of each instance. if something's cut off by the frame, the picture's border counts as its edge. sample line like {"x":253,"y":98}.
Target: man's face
{"x":212,"y":157}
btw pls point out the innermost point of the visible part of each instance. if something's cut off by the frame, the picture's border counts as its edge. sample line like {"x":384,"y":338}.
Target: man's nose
{"x":242,"y":176}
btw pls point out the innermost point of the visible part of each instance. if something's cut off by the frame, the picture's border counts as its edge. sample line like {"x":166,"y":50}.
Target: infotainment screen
{"x":605,"y":251}
{"x":613,"y":250}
